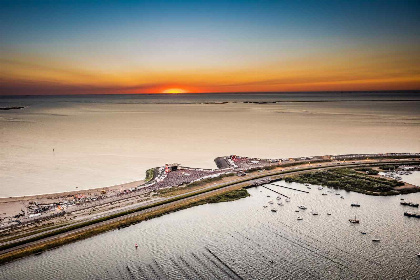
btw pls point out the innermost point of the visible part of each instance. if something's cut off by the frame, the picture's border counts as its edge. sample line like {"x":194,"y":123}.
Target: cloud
{"x":8,"y":87}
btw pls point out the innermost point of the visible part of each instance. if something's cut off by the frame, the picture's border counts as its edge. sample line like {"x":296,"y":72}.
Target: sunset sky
{"x":94,"y":47}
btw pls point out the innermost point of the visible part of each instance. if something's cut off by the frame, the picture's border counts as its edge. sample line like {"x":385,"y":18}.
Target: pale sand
{"x":13,"y":205}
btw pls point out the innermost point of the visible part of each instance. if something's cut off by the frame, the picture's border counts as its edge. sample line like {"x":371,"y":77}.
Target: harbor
{"x":247,"y":239}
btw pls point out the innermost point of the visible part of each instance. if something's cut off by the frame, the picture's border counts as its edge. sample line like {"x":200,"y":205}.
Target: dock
{"x":289,"y":188}
{"x":275,"y":191}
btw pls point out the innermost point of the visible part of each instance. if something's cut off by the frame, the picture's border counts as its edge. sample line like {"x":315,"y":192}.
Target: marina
{"x":324,"y":246}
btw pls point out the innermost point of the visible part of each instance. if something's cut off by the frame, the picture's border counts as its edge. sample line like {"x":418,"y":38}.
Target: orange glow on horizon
{"x":174,"y":90}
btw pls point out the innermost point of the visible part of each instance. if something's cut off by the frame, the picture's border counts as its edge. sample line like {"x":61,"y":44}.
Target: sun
{"x":174,"y":90}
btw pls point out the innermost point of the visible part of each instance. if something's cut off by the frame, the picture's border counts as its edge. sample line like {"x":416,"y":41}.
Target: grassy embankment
{"x":350,"y":180}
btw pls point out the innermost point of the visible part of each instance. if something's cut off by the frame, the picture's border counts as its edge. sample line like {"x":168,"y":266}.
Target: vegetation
{"x":225,"y":197}
{"x":388,"y":167}
{"x":348,"y":179}
{"x":150,"y":174}
{"x":368,"y":171}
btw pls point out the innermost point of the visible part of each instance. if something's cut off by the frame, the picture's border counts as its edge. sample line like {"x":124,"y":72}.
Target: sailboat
{"x":354,"y":221}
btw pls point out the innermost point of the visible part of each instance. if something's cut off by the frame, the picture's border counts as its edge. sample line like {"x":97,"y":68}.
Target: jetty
{"x":290,"y":188}
{"x":275,"y":192}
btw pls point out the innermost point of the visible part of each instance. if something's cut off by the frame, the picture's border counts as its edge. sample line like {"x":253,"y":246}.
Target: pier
{"x":275,"y":191}
{"x":290,"y":188}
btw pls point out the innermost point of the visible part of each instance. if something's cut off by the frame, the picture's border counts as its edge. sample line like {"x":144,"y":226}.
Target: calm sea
{"x":60,"y":143}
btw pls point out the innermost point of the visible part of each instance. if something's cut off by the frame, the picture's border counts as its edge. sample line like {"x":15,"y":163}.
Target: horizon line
{"x":225,"y":92}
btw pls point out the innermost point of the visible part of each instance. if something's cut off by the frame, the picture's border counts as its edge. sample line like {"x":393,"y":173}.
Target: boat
{"x":287,"y":200}
{"x":296,"y":210}
{"x":136,"y":246}
{"x":409,"y":204}
{"x":309,"y":187}
{"x":342,"y":197}
{"x":320,"y":188}
{"x":278,"y":198}
{"x":270,"y":202}
{"x":337,"y":194}
{"x":355,"y":205}
{"x":418,"y":255}
{"x":376,"y":240}
{"x":329,"y":214}
{"x":281,"y":204}
{"x":411,"y":214}
{"x":315,"y":213}
{"x":273,"y":210}
{"x":362,"y":232}
{"x":354,"y":221}
{"x":265,"y":206}
{"x":299,"y":218}
{"x":324,"y":194}
{"x":268,"y":196}
{"x":302,"y":207}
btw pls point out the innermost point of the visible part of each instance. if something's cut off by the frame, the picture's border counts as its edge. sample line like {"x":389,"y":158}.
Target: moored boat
{"x":409,"y":204}
{"x":410,"y":214}
{"x":354,"y":221}
{"x":355,"y":205}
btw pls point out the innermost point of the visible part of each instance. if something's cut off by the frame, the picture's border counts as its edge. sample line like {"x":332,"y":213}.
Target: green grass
{"x":226,"y":197}
{"x":150,"y":174}
{"x":368,"y":171}
{"x":349,"y":179}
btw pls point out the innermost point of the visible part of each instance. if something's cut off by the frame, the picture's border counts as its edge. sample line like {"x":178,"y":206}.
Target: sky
{"x":116,"y":47}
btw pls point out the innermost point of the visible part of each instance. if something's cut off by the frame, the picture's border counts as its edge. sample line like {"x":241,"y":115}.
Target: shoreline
{"x":70,"y":193}
{"x":25,"y":240}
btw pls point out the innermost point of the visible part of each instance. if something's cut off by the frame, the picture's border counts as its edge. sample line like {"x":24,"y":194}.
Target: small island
{"x":12,"y":108}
